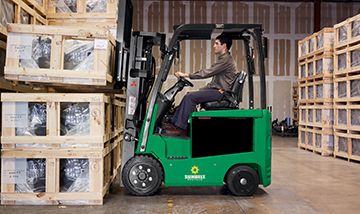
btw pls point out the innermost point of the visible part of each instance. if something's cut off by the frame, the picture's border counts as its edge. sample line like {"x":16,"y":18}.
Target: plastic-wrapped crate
{"x":347,"y":117}
{"x":78,"y":12}
{"x":347,"y":59}
{"x":59,"y":120}
{"x":347,"y":32}
{"x":347,"y":89}
{"x":318,"y":140}
{"x":347,"y":145}
{"x":317,"y":43}
{"x":17,"y":11}
{"x":60,"y":148}
{"x":319,"y":115}
{"x":62,"y":55}
{"x":60,"y":176}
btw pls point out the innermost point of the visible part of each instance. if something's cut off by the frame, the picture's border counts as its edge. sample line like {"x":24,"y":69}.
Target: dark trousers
{"x":189,"y":102}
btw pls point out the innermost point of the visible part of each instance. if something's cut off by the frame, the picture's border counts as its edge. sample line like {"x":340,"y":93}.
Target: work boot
{"x":171,"y":129}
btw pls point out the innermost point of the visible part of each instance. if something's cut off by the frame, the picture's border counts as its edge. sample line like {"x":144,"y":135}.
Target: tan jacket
{"x":223,"y":73}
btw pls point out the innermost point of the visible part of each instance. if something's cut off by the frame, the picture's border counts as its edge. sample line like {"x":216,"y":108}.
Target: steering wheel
{"x":186,"y":82}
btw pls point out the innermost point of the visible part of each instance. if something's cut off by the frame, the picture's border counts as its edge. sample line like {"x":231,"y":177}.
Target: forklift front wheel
{"x":142,"y":175}
{"x":242,"y":180}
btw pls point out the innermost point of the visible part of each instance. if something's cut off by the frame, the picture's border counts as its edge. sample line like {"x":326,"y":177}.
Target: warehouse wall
{"x":284,"y":24}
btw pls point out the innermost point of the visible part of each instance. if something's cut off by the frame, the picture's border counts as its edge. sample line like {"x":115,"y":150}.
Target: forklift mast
{"x":135,"y":71}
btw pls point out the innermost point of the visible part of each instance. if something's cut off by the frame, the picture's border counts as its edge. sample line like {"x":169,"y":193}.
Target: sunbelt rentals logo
{"x":194,"y":174}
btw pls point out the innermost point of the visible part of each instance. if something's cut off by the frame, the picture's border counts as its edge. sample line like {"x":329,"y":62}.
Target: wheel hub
{"x":243,"y":181}
{"x":142,"y":176}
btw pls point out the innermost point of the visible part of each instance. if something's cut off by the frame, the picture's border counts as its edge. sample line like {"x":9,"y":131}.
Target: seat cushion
{"x":223,"y":104}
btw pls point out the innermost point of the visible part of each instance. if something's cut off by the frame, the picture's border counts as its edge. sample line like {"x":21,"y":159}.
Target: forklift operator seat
{"x":231,"y":99}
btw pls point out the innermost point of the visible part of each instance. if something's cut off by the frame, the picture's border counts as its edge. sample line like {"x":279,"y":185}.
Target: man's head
{"x":222,"y":44}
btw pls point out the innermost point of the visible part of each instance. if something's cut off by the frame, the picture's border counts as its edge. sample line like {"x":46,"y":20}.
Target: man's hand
{"x":181,"y":74}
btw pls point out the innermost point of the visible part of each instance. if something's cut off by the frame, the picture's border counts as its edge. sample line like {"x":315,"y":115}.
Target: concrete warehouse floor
{"x":302,"y":182}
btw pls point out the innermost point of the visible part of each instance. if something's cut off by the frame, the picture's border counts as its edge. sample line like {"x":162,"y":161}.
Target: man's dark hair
{"x":224,"y":38}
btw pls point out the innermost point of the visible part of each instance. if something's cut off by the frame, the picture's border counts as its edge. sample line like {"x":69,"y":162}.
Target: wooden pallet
{"x":91,"y":120}
{"x":24,"y":14}
{"x":316,"y":44}
{"x":347,"y":145}
{"x":61,"y":63}
{"x":93,"y":177}
{"x":347,"y":88}
{"x":347,"y":32}
{"x":82,"y":11}
{"x":317,"y":140}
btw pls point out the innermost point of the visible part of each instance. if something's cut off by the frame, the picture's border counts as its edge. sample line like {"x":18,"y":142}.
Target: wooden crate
{"x":316,"y":44}
{"x":69,"y":55}
{"x":100,"y":11}
{"x":22,"y":14}
{"x":317,"y":67}
{"x":63,"y":176}
{"x":347,"y":145}
{"x":321,"y":116}
{"x":55,"y":120}
{"x":100,"y":145}
{"x":347,"y":59}
{"x":347,"y":32}
{"x":347,"y":117}
{"x":347,"y":88}
{"x":316,"y":140}
{"x":316,"y":92}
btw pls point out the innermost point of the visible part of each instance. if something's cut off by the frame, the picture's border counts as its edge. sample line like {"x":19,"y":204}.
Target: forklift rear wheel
{"x":242,"y":181}
{"x":142,"y":175}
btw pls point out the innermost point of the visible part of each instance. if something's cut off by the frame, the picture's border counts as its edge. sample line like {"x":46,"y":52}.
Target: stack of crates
{"x":315,"y":83}
{"x":60,"y":148}
{"x":347,"y":89}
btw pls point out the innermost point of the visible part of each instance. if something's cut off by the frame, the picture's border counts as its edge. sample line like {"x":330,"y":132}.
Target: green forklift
{"x":226,"y":145}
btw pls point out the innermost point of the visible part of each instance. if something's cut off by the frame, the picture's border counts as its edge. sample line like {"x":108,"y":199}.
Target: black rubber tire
{"x":142,"y":175}
{"x":242,"y":180}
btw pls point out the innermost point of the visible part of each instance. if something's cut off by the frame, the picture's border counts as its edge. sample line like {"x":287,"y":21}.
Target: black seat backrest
{"x":238,"y":85}
{"x":231,"y":98}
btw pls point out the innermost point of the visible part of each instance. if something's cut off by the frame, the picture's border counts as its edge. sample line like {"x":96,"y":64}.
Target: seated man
{"x":223,"y":73}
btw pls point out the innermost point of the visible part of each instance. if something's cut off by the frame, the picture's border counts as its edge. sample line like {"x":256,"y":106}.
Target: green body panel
{"x":180,"y":169}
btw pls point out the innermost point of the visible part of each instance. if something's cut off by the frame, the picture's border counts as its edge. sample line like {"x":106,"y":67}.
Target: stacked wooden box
{"x":59,"y":148}
{"x":347,"y":89}
{"x":21,"y":12}
{"x":315,"y":83}
{"x":100,"y":13}
{"x":60,"y":54}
